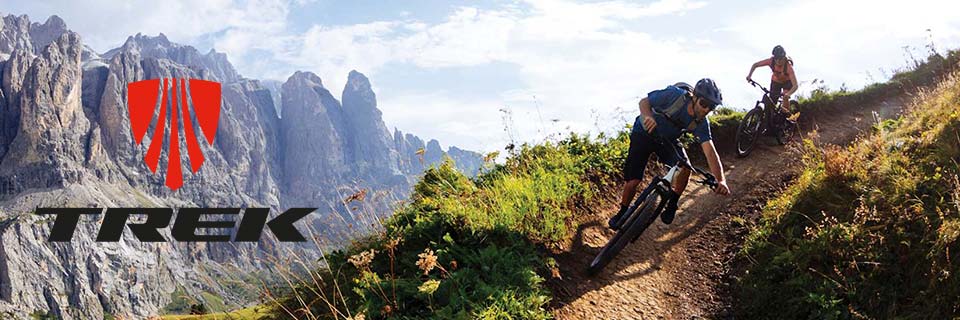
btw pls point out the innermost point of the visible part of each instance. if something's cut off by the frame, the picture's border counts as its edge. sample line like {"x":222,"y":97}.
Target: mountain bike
{"x":755,"y":123}
{"x":647,"y":207}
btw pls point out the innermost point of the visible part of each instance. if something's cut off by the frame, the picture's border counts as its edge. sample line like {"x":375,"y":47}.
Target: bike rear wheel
{"x":629,"y":231}
{"x":748,"y":131}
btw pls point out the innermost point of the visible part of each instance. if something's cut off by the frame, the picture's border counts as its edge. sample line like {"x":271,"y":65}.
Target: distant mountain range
{"x":65,"y":140}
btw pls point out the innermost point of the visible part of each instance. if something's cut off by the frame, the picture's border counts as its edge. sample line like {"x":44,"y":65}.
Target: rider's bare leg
{"x":629,"y":190}
{"x":680,"y":180}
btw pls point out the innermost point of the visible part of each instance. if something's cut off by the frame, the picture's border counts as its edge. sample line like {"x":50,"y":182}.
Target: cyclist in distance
{"x":664,"y":116}
{"x":783,"y":79}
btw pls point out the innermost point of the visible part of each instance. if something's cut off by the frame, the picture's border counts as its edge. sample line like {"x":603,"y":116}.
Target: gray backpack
{"x":679,"y":104}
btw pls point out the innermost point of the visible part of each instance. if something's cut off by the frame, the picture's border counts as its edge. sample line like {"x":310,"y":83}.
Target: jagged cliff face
{"x":65,"y":141}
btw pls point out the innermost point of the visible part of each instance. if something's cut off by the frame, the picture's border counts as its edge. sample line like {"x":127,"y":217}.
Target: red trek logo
{"x":142,"y":100}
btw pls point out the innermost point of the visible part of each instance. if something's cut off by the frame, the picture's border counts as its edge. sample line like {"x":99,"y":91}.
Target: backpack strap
{"x":679,"y":105}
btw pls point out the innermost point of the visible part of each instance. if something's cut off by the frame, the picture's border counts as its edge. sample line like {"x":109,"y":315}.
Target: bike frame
{"x":635,"y":221}
{"x":664,"y":184}
{"x":760,"y":105}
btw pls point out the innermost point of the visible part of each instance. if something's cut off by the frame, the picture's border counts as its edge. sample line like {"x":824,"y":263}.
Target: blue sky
{"x":449,"y":69}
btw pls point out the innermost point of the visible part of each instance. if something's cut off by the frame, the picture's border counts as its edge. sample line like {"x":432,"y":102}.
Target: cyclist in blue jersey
{"x":664,"y":116}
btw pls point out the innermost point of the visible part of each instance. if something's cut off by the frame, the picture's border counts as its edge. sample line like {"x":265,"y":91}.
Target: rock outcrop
{"x":314,"y":157}
{"x":369,"y":145}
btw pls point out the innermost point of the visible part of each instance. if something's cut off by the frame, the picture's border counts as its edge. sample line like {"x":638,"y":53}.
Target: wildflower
{"x":392,"y":244}
{"x":363,"y":259}
{"x":491,"y":156}
{"x":427,"y":261}
{"x":429,"y":287}
{"x":358,"y":196}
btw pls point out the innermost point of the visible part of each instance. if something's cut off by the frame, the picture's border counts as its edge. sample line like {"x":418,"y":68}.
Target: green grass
{"x":869,"y":230}
{"x":181,"y":302}
{"x":213,"y":302}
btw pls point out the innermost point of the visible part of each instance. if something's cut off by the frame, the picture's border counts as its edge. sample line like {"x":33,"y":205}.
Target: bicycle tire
{"x":628,"y":232}
{"x":748,"y":132}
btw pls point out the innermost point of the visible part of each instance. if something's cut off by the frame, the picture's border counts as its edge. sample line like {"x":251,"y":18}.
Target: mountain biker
{"x":665,"y":115}
{"x":783,"y":78}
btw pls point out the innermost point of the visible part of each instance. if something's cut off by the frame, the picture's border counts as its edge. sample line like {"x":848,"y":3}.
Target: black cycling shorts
{"x":641,"y":146}
{"x":777,"y":89}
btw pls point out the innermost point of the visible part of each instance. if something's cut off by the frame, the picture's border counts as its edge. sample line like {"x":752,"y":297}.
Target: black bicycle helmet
{"x":707,"y":89}
{"x":778,"y":52}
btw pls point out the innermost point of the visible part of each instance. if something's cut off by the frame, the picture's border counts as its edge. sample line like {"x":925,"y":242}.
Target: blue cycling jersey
{"x":659,"y":101}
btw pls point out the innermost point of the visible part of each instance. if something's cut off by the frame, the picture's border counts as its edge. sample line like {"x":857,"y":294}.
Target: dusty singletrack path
{"x":681,"y":271}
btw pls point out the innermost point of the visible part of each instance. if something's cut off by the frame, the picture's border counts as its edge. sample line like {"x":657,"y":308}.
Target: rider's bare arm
{"x":648,"y":123}
{"x":761,"y":63}
{"x":716,"y":168}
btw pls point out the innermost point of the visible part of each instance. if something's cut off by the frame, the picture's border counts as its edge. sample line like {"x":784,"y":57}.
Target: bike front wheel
{"x":748,"y":131}
{"x":629,"y":230}
{"x":790,"y":131}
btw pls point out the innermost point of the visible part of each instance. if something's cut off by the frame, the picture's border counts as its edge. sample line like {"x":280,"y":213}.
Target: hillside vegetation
{"x":466,"y":248}
{"x":869,"y":230}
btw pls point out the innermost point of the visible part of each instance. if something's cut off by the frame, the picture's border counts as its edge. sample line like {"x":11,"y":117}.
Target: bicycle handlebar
{"x":708,"y":178}
{"x":683,"y":161}
{"x":755,"y":84}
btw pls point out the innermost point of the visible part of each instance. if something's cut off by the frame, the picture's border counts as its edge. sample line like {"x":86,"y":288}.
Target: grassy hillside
{"x":869,"y":230}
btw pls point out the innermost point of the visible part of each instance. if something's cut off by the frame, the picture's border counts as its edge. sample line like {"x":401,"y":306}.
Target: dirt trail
{"x":680,"y":271}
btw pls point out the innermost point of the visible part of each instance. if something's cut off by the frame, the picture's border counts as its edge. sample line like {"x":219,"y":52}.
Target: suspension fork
{"x":661,"y":189}
{"x":643,"y":194}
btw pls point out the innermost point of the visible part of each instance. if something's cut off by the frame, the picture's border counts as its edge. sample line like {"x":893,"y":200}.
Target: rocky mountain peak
{"x":359,"y":99}
{"x":17,"y":32}
{"x":44,"y":34}
{"x":357,"y":82}
{"x":212,"y":65}
{"x":305,"y":78}
{"x":140,"y":40}
{"x":55,"y":22}
{"x":147,"y":46}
